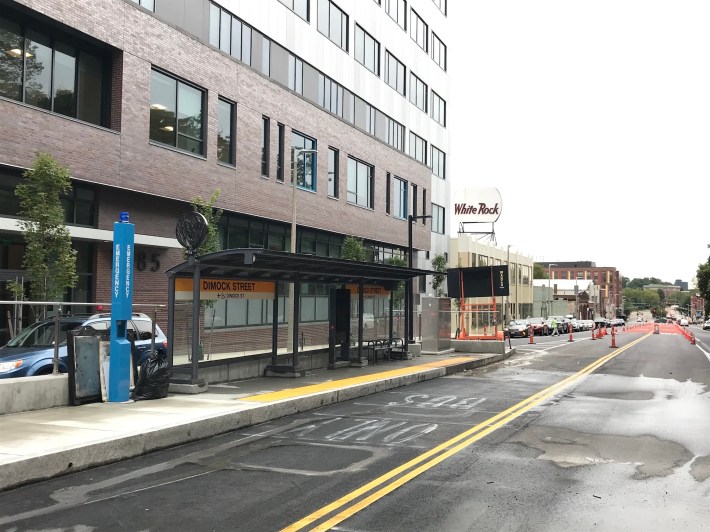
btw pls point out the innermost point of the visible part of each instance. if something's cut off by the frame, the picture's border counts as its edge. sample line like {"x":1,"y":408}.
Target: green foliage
{"x":398,"y":295}
{"x":49,"y":259}
{"x":539,"y":271}
{"x":212,"y":215}
{"x":640,"y":283}
{"x":438,"y":264}
{"x":353,"y":249}
{"x":637,"y":299}
{"x":702,"y":282}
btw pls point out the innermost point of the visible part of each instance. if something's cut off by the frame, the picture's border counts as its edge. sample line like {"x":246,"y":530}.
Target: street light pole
{"x":408,"y":299}
{"x":297,"y":152}
{"x":549,"y":289}
{"x":507,"y":299}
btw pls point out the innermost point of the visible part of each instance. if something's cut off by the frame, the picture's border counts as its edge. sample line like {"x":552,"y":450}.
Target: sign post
{"x":121,"y":308}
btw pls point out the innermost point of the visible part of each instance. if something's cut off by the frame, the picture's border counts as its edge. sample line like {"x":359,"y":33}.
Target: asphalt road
{"x":561,"y":436}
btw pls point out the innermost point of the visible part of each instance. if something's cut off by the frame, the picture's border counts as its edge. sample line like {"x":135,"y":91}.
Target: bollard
{"x":570,"y":333}
{"x":613,"y":338}
{"x":594,"y":333}
{"x":655,"y":329}
{"x":531,"y":334}
{"x":692,"y":338}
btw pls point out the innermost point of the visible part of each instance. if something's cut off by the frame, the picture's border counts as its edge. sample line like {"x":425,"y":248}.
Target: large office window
{"x":176,"y":113}
{"x":295,"y":74}
{"x":306,"y":163}
{"x":280,"y":153}
{"x":417,"y":147}
{"x":400,"y":198}
{"x":414,"y":201}
{"x":44,"y":71}
{"x":265,"y":143}
{"x":438,"y":221}
{"x":333,"y":172}
{"x":331,"y":95}
{"x":419,"y":31}
{"x":300,"y":7}
{"x":397,"y":9}
{"x":360,"y":183}
{"x":231,"y":35}
{"x":438,"y":51}
{"x":148,"y":4}
{"x":438,"y":162}
{"x":388,"y":194}
{"x":367,"y":50}
{"x":418,"y":92}
{"x":225,"y":128}
{"x":441,"y":4}
{"x":395,"y":73}
{"x":438,"y":108}
{"x":333,"y":23}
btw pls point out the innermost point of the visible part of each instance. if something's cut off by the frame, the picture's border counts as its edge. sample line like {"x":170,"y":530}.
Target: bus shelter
{"x":241,"y":272}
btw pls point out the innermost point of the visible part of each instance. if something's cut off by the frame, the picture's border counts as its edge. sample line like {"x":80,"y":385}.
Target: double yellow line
{"x":440,"y":453}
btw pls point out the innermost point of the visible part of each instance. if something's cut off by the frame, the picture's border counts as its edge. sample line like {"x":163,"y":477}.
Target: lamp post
{"x":549,"y":289}
{"x":408,"y":299}
{"x":297,"y":152}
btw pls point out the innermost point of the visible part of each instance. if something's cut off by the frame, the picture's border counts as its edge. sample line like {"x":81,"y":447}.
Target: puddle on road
{"x":700,"y":468}
{"x":651,"y":456}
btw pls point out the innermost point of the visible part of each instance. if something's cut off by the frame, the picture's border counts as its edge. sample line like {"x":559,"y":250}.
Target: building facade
{"x":153,"y":103}
{"x":607,"y":279}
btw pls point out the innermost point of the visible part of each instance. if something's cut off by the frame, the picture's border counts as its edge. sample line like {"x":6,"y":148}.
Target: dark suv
{"x":32,"y":351}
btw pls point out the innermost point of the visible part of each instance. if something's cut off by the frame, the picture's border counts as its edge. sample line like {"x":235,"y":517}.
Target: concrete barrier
{"x":33,"y":393}
{"x":479,"y":346}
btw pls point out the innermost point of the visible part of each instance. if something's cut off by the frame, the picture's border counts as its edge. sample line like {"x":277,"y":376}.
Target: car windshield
{"x":536,"y":320}
{"x":42,"y":334}
{"x":518,"y":322}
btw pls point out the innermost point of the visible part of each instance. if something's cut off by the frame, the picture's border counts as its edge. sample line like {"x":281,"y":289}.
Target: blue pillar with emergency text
{"x":119,"y":375}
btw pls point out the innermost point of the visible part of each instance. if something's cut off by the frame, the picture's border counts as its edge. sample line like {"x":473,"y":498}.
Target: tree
{"x":212,"y":215}
{"x":438,"y":263}
{"x":539,"y":271}
{"x":353,"y":249}
{"x":50,"y":260}
{"x":398,"y":295}
{"x":703,"y":284}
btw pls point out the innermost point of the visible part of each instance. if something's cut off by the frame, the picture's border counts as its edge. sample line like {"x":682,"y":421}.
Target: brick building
{"x":151,"y":103}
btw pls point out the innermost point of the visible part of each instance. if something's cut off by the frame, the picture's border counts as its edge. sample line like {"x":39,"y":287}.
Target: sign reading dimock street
{"x":473,"y":205}
{"x":371,"y":290}
{"x":224,"y":289}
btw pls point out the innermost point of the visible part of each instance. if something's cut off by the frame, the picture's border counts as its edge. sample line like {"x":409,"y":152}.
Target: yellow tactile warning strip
{"x":341,"y":383}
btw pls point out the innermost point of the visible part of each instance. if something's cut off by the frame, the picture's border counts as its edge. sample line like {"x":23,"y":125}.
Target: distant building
{"x":683,"y":285}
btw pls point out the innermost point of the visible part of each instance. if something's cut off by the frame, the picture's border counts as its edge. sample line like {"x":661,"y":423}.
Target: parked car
{"x":539,"y":326}
{"x":32,"y":351}
{"x":706,"y":325}
{"x":562,"y":323}
{"x":518,"y":329}
{"x":683,"y":322}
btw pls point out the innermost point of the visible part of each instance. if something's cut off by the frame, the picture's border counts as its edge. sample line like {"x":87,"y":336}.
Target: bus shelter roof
{"x":266,"y":265}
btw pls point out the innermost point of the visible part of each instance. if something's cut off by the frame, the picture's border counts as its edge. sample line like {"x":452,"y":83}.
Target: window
{"x":230,"y":34}
{"x":438,"y":108}
{"x":333,"y":23}
{"x":418,"y":92}
{"x":300,"y":7}
{"x":333,"y":172}
{"x":360,"y":183}
{"x":438,"y":51}
{"x":417,"y":147}
{"x":280,"y":154}
{"x":148,"y":4}
{"x":387,"y":194}
{"x":176,"y":111}
{"x":400,"y":198}
{"x":79,"y":206}
{"x":414,"y":200}
{"x":265,"y":140}
{"x":419,"y":31}
{"x":62,"y":78}
{"x":295,"y":74}
{"x":423,"y":206}
{"x":394,"y":73}
{"x":367,"y":50}
{"x":397,"y":9}
{"x":225,"y":125}
{"x":438,"y":162}
{"x":330,"y":96}
{"x":441,"y":4}
{"x":306,"y":163}
{"x":438,"y":221}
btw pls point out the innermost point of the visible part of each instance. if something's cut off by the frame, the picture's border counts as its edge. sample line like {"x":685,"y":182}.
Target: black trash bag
{"x":154,"y":378}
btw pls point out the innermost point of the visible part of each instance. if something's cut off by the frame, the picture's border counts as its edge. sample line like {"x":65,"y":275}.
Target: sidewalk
{"x":44,"y":444}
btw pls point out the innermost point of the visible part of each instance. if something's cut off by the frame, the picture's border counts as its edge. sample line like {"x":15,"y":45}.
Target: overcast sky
{"x":592,"y":119}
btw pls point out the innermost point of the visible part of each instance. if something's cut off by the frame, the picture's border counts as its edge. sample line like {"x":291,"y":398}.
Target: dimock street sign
{"x":212,"y":289}
{"x":476,"y":205}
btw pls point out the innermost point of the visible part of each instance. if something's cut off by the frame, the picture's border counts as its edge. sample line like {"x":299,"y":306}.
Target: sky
{"x":592,"y":119}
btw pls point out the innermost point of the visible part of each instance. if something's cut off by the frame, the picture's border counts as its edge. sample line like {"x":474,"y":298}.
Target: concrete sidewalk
{"x":44,"y":444}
